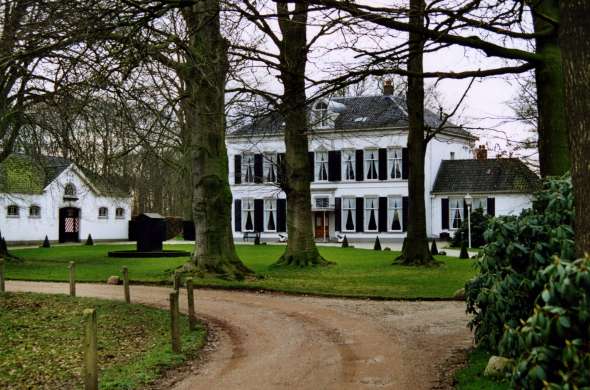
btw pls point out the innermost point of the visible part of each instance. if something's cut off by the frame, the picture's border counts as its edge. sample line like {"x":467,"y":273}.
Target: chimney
{"x":481,"y":153}
{"x":387,"y":87}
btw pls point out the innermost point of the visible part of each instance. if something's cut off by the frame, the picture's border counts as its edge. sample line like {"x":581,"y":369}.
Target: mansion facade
{"x":359,"y":187}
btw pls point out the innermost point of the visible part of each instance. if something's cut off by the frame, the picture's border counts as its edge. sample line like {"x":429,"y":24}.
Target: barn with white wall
{"x":51,"y":196}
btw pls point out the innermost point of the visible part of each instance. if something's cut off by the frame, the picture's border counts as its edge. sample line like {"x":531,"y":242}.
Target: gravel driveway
{"x":273,"y":341}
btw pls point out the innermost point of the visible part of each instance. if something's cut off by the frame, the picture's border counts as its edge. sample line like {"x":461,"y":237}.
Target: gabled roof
{"x":360,"y":112}
{"x":24,"y":174}
{"x":507,"y":175}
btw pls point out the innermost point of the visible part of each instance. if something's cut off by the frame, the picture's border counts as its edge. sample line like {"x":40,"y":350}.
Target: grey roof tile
{"x":361,"y":112}
{"x":485,"y":176}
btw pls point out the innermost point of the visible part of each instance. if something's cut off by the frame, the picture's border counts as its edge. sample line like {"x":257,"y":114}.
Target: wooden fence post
{"x":126,"y":285}
{"x":175,"y":322}
{"x":2,"y":286}
{"x":177,"y":280}
{"x":192,"y":319}
{"x":72,"y":268}
{"x":90,"y":350}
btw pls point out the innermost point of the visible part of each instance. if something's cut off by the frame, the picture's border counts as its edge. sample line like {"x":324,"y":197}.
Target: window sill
{"x":34,"y":217}
{"x":119,"y":218}
{"x":13,"y":216}
{"x":103,"y":217}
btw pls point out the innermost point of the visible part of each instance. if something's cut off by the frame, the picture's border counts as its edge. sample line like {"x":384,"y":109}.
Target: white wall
{"x":506,"y":204}
{"x":25,"y":228}
{"x":438,"y":149}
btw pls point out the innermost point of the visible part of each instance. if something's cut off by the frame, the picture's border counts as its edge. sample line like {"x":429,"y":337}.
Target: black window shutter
{"x":280,"y":167}
{"x":359,"y":165}
{"x":237,"y":169}
{"x":382,"y":214}
{"x":492,"y":206}
{"x":238,"y":215}
{"x":258,"y":168}
{"x":382,"y":164}
{"x":444,"y":206}
{"x":334,"y":168}
{"x":360,"y":213}
{"x":405,"y":163}
{"x":258,"y":215}
{"x":405,"y":213}
{"x":338,"y":214}
{"x":281,"y":215}
{"x":311,"y":156}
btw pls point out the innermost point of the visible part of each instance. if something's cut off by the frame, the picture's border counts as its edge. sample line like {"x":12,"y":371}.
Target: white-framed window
{"x":248,"y":168}
{"x":247,"y":215}
{"x":119,"y":213}
{"x":270,"y":215}
{"x":34,"y":211}
{"x":348,"y":165}
{"x":103,"y":212}
{"x":455,"y":213}
{"x":321,"y":166}
{"x":394,"y":163}
{"x":348,"y":214}
{"x":394,"y":214}
{"x":480,"y":203}
{"x":70,"y":190}
{"x":270,"y":168}
{"x":371,"y":164}
{"x":321,"y":114}
{"x":371,"y":214}
{"x":12,"y":211}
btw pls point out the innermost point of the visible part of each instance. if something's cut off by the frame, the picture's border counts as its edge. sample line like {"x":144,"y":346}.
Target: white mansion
{"x":359,"y":188}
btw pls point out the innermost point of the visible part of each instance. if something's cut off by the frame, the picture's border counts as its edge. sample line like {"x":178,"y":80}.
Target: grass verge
{"x":356,"y":273}
{"x":40,"y":342}
{"x":471,"y":377}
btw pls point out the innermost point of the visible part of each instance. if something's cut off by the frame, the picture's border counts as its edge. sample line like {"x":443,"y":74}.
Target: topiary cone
{"x":377,"y":245}
{"x":463,"y":254}
{"x":433,"y":248}
{"x":345,"y":242}
{"x":46,"y":243}
{"x":89,"y":240}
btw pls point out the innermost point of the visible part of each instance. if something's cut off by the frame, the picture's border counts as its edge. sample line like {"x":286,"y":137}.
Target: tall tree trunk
{"x":554,"y":158}
{"x":301,"y":250}
{"x":575,"y":41}
{"x":205,"y":74}
{"x":415,"y":250}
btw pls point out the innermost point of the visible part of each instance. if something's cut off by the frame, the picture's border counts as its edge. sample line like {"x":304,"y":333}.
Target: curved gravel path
{"x":272,"y":341}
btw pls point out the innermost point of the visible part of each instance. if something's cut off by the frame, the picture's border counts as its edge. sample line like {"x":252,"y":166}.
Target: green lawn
{"x":41,"y":339}
{"x":471,"y":377}
{"x":358,"y":272}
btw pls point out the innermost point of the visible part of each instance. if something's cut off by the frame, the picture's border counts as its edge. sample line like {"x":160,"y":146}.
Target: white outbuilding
{"x":51,"y":196}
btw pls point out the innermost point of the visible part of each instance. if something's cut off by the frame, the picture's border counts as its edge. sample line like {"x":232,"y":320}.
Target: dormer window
{"x":321,"y":114}
{"x":70,"y":190}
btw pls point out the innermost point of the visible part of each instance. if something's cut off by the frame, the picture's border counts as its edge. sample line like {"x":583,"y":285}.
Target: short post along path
{"x":273,"y":341}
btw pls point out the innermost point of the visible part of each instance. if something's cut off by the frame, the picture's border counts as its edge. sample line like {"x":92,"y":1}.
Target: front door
{"x":69,"y":224}
{"x":322,"y":230}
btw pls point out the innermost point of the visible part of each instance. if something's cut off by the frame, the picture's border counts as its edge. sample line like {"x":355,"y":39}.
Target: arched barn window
{"x":70,"y":190}
{"x":103,"y":212}
{"x":119,"y":212}
{"x":12,"y":211}
{"x":34,"y":211}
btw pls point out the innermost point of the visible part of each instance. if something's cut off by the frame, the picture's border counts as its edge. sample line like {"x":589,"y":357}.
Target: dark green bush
{"x":552,"y":349}
{"x":518,"y":249}
{"x":479,"y":224}
{"x":377,"y":245}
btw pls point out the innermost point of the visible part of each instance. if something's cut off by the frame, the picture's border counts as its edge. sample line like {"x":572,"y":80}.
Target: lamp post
{"x":468,"y":202}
